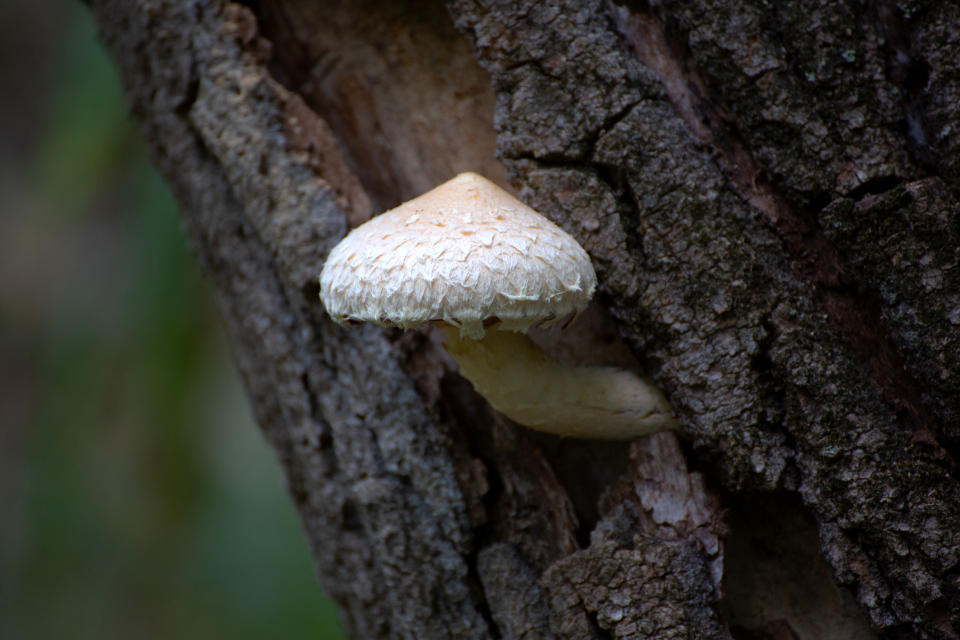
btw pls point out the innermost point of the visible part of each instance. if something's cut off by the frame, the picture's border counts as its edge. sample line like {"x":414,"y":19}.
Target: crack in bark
{"x":911,"y":75}
{"x":814,"y":259}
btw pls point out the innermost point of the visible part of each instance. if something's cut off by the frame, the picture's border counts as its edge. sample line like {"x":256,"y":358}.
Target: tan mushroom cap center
{"x":463,"y":253}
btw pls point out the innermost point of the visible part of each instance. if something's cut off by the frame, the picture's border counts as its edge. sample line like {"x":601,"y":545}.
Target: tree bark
{"x":769,"y":194}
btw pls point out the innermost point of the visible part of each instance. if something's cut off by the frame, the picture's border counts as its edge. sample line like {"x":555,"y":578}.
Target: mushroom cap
{"x":465,"y":253}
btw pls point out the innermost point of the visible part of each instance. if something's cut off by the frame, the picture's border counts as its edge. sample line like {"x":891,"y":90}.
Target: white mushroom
{"x":486,"y":267}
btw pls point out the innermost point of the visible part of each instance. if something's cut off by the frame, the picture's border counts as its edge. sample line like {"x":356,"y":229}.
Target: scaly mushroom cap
{"x":465,"y":252}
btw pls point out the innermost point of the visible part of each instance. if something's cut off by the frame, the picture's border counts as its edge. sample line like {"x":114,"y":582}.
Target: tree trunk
{"x":769,"y":194}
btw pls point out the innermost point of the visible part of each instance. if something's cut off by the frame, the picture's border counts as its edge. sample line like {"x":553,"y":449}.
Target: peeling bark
{"x":769,"y":194}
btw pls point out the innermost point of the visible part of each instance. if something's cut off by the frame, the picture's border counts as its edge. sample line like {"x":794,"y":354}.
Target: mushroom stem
{"x":520,"y":381}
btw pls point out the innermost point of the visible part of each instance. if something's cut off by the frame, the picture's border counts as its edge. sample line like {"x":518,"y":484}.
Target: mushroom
{"x":484,"y":266}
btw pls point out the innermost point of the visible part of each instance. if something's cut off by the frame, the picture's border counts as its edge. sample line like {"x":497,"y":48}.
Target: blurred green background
{"x":137,"y":497}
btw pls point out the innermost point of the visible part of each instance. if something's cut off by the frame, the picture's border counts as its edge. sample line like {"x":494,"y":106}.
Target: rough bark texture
{"x":769,"y":194}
